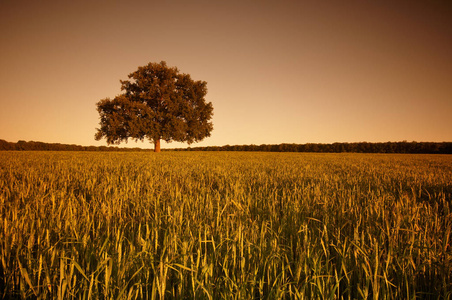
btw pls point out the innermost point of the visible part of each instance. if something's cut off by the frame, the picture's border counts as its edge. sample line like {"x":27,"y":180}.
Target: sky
{"x":276,"y":71}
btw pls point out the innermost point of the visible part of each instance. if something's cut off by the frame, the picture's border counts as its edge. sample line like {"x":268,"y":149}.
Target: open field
{"x":233,"y":225}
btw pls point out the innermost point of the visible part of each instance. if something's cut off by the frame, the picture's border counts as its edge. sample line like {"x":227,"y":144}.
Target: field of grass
{"x":232,"y":225}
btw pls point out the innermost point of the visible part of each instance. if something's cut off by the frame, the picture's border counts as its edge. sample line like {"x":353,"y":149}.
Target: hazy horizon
{"x":277,"y":72}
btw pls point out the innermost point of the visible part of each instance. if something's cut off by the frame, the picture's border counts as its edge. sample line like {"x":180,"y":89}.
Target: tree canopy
{"x":158,"y":103}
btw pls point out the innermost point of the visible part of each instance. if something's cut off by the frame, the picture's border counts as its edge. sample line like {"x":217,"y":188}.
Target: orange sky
{"x":277,"y":71}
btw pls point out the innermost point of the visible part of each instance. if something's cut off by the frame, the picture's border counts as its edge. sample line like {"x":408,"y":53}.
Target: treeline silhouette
{"x":40,"y":146}
{"x":362,"y":147}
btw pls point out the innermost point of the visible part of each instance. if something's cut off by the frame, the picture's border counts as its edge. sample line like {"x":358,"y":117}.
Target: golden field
{"x":225,"y":225}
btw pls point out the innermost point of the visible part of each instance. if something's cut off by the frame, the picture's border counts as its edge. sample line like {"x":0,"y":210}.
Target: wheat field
{"x":225,"y":225}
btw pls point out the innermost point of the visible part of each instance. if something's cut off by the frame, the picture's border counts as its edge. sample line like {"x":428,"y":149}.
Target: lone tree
{"x":158,"y":103}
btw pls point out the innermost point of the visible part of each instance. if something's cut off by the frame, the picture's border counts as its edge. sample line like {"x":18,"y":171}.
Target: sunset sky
{"x":277,"y":71}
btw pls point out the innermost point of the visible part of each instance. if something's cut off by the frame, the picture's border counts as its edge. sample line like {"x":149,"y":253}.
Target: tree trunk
{"x":157,"y":145}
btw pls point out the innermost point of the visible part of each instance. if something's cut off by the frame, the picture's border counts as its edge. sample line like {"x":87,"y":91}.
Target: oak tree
{"x":157,"y":103}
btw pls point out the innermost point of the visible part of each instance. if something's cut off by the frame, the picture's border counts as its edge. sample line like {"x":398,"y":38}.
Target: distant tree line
{"x":362,"y":147}
{"x":40,"y":146}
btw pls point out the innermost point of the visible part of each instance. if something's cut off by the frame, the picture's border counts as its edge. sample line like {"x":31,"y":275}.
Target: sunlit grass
{"x":77,"y":225}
